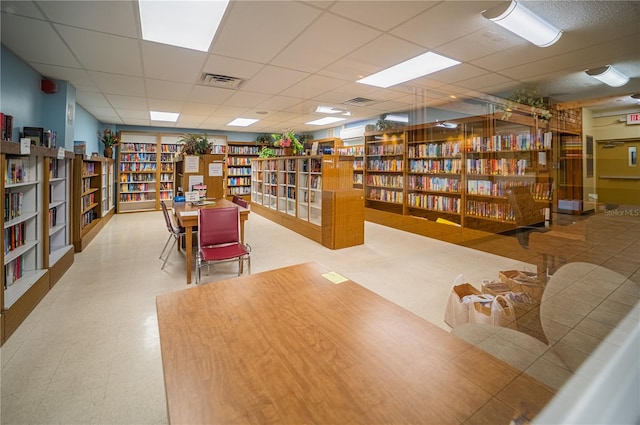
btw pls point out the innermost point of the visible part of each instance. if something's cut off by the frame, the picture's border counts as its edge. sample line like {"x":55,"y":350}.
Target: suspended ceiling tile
{"x":87,"y":99}
{"x":212,"y":95}
{"x":128,"y":102}
{"x":118,"y":84}
{"x":278,"y":103}
{"x":112,"y":17}
{"x":194,"y":108}
{"x":168,"y":90}
{"x":312,"y":86}
{"x":378,"y":14}
{"x":273,"y":80}
{"x":248,"y":29}
{"x":76,"y":76}
{"x":101,"y":112}
{"x":246,"y":99}
{"x":135,"y":114}
{"x":21,"y":8}
{"x":36,"y":41}
{"x":164,"y":105}
{"x":116,"y":54}
{"x":329,"y":38}
{"x":228,"y":111}
{"x":170,"y":63}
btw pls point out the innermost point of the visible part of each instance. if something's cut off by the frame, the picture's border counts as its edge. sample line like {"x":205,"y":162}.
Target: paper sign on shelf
{"x":215,"y":169}
{"x":25,"y":146}
{"x":191,"y":164}
{"x":61,"y":152}
{"x":193,"y":196}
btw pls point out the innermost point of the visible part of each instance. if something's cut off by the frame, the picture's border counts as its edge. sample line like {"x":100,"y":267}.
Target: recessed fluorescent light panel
{"x":325,"y":121}
{"x":426,"y":63}
{"x":164,"y":116}
{"x":189,"y":24}
{"x":608,"y":75}
{"x":242,"y":122}
{"x":524,"y":23}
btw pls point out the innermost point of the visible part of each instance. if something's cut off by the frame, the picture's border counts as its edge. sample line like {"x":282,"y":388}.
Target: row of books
{"x":13,"y":271}
{"x":492,"y":210}
{"x":18,"y":170}
{"x":138,"y":147}
{"x":436,"y":149}
{"x":138,"y":166}
{"x":351,"y":151}
{"x":434,"y":202}
{"x":238,"y":181}
{"x":501,"y":166}
{"x":511,"y":142}
{"x":54,"y":169}
{"x":6,"y":126}
{"x":136,"y":187}
{"x":315,"y":182}
{"x":539,"y":190}
{"x":166,"y":166}
{"x":385,"y":180}
{"x":166,"y":157}
{"x":166,"y":185}
{"x":88,"y":169}
{"x":390,"y":149}
{"x":141,"y":177}
{"x":12,"y":205}
{"x":136,"y":197}
{"x":169,"y":147}
{"x":385,"y":195}
{"x":14,"y":236}
{"x":239,"y":171}
{"x":88,"y":200}
{"x":53,"y":217}
{"x":239,"y":190}
{"x":138,"y":157}
{"x":433,"y":184}
{"x":385,"y":164}
{"x":238,"y":160}
{"x":436,"y":166}
{"x":243,"y":150}
{"x":166,"y":196}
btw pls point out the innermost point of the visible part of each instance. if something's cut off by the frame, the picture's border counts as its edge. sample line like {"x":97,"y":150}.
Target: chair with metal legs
{"x":175,"y":232}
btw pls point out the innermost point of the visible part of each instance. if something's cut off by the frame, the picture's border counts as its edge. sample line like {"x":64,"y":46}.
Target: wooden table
{"x":289,"y":346}
{"x":187,"y":215}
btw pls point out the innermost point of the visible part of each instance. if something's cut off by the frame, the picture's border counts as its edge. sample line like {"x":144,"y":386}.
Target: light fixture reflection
{"x":524,"y":23}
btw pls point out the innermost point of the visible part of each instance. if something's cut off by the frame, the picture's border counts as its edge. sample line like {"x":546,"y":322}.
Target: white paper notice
{"x":192,"y":196}
{"x":191,"y":164}
{"x":25,"y":146}
{"x":215,"y":169}
{"x":194,"y":180}
{"x":542,"y":158}
{"x":60,"y":152}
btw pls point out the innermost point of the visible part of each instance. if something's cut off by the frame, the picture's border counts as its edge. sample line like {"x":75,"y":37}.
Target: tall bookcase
{"x":207,"y":169}
{"x":384,"y":176}
{"x":145,"y":170}
{"x":239,"y":156}
{"x":459,"y":172}
{"x":87,"y":196}
{"x":357,"y":153}
{"x":37,"y":230}
{"x":311,"y":195}
{"x":58,"y":243}
{"x":108,"y":204}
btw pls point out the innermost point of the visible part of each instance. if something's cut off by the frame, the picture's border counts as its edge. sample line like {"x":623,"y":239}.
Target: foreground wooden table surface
{"x":188,"y":218}
{"x":289,"y":346}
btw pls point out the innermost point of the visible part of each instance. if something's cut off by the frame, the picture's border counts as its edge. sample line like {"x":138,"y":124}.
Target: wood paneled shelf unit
{"x":88,"y":218}
{"x":36,"y":228}
{"x":357,"y":153}
{"x":311,"y":195}
{"x":459,"y":173}
{"x":239,"y":156}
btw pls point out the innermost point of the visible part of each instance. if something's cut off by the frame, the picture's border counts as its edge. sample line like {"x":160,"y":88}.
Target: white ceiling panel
{"x":231,"y":67}
{"x":164,"y":105}
{"x":21,"y":8}
{"x":87,"y":99}
{"x":135,"y":114}
{"x":278,"y":103}
{"x":378,"y":14}
{"x":313,"y":86}
{"x":171,"y":63}
{"x":128,"y":102}
{"x":248,"y":31}
{"x":246,"y":99}
{"x":161,"y":89}
{"x":119,"y":55}
{"x":76,"y":76}
{"x":323,"y":42}
{"x":273,"y":80}
{"x":118,"y":84}
{"x":36,"y":41}
{"x":211,"y":95}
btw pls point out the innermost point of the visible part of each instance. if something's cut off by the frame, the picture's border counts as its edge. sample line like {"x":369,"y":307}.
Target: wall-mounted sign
{"x":633,"y":119}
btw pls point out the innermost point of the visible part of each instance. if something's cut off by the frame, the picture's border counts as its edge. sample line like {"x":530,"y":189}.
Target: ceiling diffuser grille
{"x":223,"y":81}
{"x":359,"y":101}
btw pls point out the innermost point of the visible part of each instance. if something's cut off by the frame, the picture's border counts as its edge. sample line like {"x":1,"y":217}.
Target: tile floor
{"x":89,"y":352}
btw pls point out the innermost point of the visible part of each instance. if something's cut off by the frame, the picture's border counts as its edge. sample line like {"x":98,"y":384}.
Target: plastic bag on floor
{"x":461,"y":297}
{"x":497,"y":312}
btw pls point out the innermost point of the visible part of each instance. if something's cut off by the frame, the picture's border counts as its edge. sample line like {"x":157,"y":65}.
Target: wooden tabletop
{"x":290,"y":346}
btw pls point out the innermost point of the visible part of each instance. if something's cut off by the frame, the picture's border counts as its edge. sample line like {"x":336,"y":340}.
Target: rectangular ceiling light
{"x":325,"y":121}
{"x":242,"y":122}
{"x":164,"y":116}
{"x":189,"y":24}
{"x":426,"y":63}
{"x":608,"y":75}
{"x":524,"y":23}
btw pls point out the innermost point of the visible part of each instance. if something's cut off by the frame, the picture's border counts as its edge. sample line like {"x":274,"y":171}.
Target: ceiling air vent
{"x":359,"y":101}
{"x":222,"y":81}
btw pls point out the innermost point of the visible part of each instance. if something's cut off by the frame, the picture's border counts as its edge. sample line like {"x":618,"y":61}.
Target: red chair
{"x":239,"y":201}
{"x":219,"y":239}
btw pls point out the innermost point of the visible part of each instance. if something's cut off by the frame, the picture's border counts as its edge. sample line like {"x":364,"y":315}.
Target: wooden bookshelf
{"x":87,"y":199}
{"x":239,"y":157}
{"x":207,"y":168}
{"x":357,"y":153}
{"x":25,"y":277}
{"x":311,"y":195}
{"x":459,"y":173}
